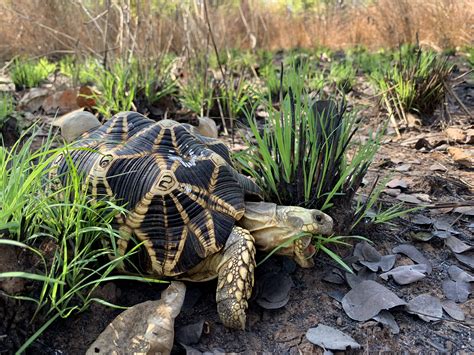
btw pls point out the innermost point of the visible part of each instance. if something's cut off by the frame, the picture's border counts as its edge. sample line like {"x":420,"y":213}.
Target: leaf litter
{"x":331,"y":338}
{"x":367,"y":299}
{"x":426,"y":306}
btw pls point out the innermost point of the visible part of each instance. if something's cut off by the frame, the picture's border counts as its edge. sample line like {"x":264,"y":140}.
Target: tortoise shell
{"x":181,"y":191}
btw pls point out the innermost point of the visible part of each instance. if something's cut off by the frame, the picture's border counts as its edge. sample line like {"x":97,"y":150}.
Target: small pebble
{"x":339,"y":321}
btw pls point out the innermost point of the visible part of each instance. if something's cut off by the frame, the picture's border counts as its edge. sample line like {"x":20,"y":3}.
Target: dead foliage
{"x":149,"y":27}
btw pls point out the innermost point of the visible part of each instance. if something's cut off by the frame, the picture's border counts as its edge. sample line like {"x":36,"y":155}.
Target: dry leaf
{"x":461,"y":156}
{"x":408,"y":198}
{"x":330,"y":338}
{"x":413,"y":253}
{"x":367,"y":299}
{"x":457,"y":245}
{"x":406,"y":274}
{"x":453,"y":310}
{"x":426,"y":307}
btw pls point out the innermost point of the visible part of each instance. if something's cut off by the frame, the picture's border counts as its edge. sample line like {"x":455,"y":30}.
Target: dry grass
{"x":148,"y":27}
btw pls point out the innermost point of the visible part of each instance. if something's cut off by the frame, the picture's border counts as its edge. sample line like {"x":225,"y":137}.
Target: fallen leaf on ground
{"x":365,"y":251}
{"x":367,"y":299}
{"x":409,"y":199}
{"x":392,"y":192}
{"x":334,"y":276}
{"x":457,"y":135}
{"x":467,"y":210}
{"x":466,"y":259}
{"x":444,"y":225}
{"x":403,"y":167}
{"x":423,"y":236}
{"x":442,"y":234}
{"x":421,"y":220}
{"x":330,"y":338}
{"x":386,"y":318}
{"x":397,"y":183}
{"x":457,"y":291}
{"x":453,"y":310}
{"x":274,"y":290}
{"x":413,"y":253}
{"x":464,"y":157}
{"x":458,"y":274}
{"x":438,"y":167}
{"x":427,"y":307}
{"x":385,"y":263}
{"x":457,"y":246}
{"x":406,"y":274}
{"x":363,"y":274}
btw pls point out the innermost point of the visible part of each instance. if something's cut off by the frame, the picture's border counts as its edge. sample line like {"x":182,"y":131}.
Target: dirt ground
{"x":431,"y":175}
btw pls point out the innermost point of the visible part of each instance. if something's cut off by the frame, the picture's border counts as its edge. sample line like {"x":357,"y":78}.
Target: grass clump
{"x":69,"y":236}
{"x":127,"y":86}
{"x":415,"y":83}
{"x":306,"y":154}
{"x":27,"y":74}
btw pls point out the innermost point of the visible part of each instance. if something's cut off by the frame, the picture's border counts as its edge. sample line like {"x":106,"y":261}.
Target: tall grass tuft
{"x":415,"y":83}
{"x":306,"y":154}
{"x":71,"y":236}
{"x":27,"y":74}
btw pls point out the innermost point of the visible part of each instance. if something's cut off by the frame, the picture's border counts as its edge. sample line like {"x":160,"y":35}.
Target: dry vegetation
{"x":148,"y":27}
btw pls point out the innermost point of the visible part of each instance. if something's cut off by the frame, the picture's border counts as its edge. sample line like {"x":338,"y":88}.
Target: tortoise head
{"x":290,"y":229}
{"x":76,"y":123}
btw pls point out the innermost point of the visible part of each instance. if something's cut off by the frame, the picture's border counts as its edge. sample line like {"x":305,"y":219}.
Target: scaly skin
{"x":235,"y":278}
{"x":273,"y":226}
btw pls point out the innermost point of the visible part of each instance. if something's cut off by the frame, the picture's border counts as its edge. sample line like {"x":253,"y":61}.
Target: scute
{"x":181,"y":191}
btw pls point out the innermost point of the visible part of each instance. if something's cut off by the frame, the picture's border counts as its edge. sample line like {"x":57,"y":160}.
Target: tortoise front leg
{"x":235,"y":278}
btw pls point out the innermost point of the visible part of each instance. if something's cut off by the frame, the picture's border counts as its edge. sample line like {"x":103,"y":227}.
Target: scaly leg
{"x":235,"y":278}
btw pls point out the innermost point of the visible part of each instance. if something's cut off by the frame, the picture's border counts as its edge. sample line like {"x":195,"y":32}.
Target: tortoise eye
{"x":106,"y":159}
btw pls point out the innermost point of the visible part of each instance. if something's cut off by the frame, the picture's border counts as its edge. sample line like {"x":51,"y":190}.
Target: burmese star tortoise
{"x":195,"y":214}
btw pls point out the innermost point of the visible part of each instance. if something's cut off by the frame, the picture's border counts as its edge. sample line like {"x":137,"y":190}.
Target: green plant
{"x":342,"y":75}
{"x":197,"y":91}
{"x":118,"y":87}
{"x":29,"y":74}
{"x":69,"y":234}
{"x":306,"y":154}
{"x":80,"y":71}
{"x":415,"y":83}
{"x":6,"y":107}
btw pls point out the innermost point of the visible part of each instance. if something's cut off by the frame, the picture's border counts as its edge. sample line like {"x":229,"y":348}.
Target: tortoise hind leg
{"x":235,"y":278}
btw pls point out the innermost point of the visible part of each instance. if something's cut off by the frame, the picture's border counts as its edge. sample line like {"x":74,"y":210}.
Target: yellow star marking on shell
{"x":165,"y":183}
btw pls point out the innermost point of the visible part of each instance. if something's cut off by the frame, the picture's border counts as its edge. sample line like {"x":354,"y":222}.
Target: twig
{"x":453,"y":94}
{"x":104,"y":38}
{"x":220,"y":65}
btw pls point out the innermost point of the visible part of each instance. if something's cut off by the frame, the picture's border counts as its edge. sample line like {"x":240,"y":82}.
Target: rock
{"x":146,"y":328}
{"x":33,"y":100}
{"x":75,"y":123}
{"x":207,"y":127}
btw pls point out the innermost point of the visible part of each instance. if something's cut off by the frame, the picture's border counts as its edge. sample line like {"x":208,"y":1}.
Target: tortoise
{"x":198,"y":218}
